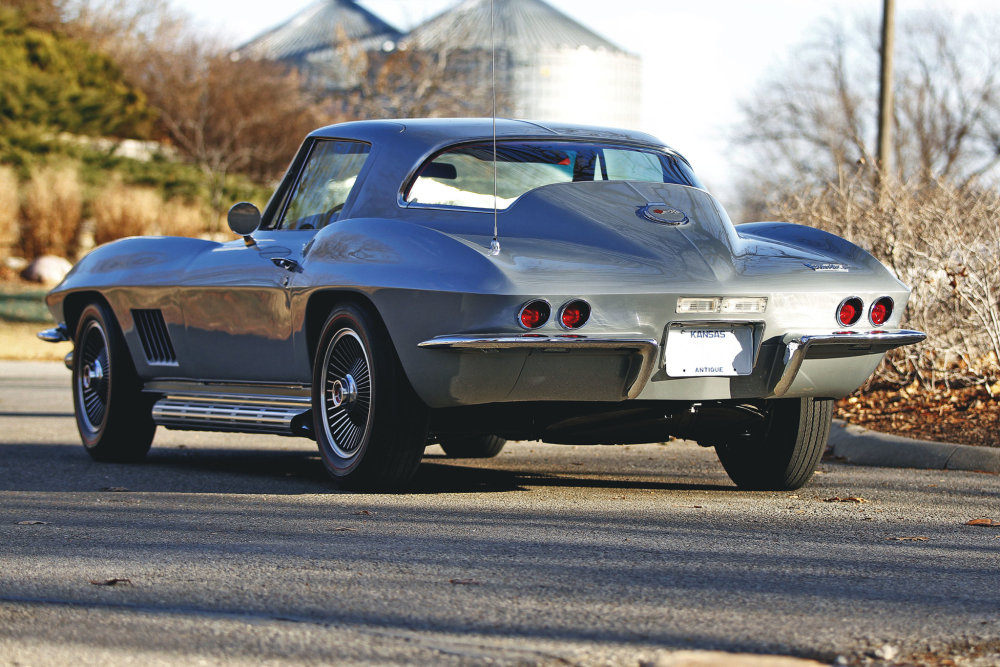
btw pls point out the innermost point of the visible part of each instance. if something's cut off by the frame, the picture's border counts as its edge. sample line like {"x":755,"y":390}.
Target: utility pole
{"x":883,"y":160}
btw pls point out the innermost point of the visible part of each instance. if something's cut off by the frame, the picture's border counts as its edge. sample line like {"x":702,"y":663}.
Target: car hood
{"x":599,"y":233}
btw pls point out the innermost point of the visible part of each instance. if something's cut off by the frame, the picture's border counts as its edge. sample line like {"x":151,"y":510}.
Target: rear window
{"x":463,"y":175}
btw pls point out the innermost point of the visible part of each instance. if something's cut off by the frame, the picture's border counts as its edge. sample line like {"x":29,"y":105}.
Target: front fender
{"x":133,"y":261}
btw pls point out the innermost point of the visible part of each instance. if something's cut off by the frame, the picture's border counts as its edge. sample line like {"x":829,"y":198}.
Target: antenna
{"x":495,"y":244}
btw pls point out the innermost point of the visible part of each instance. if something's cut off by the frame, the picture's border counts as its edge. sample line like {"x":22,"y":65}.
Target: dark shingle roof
{"x":318,"y":27}
{"x":522,"y":27}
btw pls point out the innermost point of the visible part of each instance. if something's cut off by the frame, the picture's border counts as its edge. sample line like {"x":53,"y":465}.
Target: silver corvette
{"x":411,"y":282}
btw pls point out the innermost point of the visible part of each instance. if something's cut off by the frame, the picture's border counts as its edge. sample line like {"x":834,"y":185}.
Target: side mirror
{"x":244,"y":219}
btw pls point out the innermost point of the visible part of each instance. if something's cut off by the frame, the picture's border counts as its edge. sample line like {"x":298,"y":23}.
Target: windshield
{"x":463,"y":175}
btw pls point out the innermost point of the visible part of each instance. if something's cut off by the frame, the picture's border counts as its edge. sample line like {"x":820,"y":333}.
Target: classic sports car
{"x":413,"y":282}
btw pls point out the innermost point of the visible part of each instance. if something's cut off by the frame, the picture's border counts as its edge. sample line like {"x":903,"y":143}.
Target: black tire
{"x":473,"y":446}
{"x":114,"y":418}
{"x":370,"y":425}
{"x":782,"y":453}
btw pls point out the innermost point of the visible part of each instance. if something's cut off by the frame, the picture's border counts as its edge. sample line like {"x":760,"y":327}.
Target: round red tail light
{"x":574,"y":314}
{"x":849,"y":311}
{"x":534,"y":314}
{"x":881,"y":311}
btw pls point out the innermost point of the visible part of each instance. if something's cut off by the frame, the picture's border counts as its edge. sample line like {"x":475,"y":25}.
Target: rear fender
{"x":803,"y":236}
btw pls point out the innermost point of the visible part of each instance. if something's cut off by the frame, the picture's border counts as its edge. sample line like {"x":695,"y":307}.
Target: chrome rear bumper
{"x":798,"y":348}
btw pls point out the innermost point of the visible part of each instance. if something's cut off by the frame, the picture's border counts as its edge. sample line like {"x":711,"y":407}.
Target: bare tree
{"x":811,"y":131}
{"x":417,"y":83}
{"x":227,"y":115}
{"x":813,"y":121}
{"x":42,"y":14}
{"x":123,"y":27}
{"x":223,"y":114}
{"x":356,"y":81}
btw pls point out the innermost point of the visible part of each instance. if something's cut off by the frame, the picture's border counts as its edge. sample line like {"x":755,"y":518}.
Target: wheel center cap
{"x":344,"y":391}
{"x":92,"y":373}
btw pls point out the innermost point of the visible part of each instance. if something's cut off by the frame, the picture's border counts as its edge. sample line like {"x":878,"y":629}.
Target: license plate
{"x":709,"y":351}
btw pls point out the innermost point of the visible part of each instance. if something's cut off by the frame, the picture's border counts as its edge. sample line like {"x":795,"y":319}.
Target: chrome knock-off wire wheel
{"x":93,"y":381}
{"x":346,"y":393}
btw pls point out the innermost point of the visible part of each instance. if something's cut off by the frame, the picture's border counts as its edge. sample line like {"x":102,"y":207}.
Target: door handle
{"x":286,"y":264}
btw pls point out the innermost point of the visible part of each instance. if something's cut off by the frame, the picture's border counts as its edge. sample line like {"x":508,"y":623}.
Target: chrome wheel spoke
{"x":93,"y":378}
{"x":346,"y":398}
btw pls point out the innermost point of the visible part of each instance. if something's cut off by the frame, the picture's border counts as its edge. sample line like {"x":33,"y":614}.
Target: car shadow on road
{"x":439,"y":477}
{"x":67,"y":468}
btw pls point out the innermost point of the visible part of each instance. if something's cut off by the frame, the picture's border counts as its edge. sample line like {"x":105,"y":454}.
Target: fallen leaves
{"x":967,"y":415}
{"x":848,"y":499}
{"x":983,"y":522}
{"x":111,"y":582}
{"x":918,"y":538}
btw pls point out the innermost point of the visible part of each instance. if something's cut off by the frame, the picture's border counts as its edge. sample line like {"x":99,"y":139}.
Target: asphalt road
{"x":237,"y":551}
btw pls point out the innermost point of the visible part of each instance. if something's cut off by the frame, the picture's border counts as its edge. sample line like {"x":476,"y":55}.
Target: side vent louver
{"x":153,"y":334}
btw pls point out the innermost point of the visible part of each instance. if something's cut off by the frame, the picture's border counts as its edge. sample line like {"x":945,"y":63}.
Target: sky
{"x":700,"y":59}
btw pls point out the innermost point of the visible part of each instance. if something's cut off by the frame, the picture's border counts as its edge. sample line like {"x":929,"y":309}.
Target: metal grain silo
{"x":322,"y":40}
{"x":549,"y":67}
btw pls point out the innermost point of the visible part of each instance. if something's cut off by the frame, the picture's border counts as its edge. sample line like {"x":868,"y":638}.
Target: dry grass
{"x":179,"y":218}
{"x":9,"y":207}
{"x":18,"y":341}
{"x":121,"y":210}
{"x":53,"y":204}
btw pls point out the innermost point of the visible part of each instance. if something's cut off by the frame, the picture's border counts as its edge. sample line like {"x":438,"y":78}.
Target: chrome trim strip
{"x":254,"y":413}
{"x":797,"y":348}
{"x":508,"y":341}
{"x":279,"y":401}
{"x":58,"y":334}
{"x":646,"y":348}
{"x":176,"y":387}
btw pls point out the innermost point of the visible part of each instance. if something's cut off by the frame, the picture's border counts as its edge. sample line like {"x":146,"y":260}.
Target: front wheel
{"x":114,"y":418}
{"x":370,"y":425}
{"x":782,"y":453}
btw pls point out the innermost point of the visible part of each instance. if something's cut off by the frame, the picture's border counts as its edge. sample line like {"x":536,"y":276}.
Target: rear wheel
{"x":473,"y":446}
{"x":370,"y":425}
{"x":782,"y":453}
{"x":114,"y":418}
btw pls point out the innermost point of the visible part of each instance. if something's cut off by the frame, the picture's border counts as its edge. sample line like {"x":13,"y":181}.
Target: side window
{"x":324,"y":185}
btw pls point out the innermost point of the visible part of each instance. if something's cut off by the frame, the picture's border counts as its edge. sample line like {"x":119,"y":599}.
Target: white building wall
{"x":579,"y":85}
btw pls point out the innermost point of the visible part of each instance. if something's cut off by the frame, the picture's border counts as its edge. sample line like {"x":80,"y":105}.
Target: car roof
{"x":437,"y":132}
{"x":399,"y":147}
